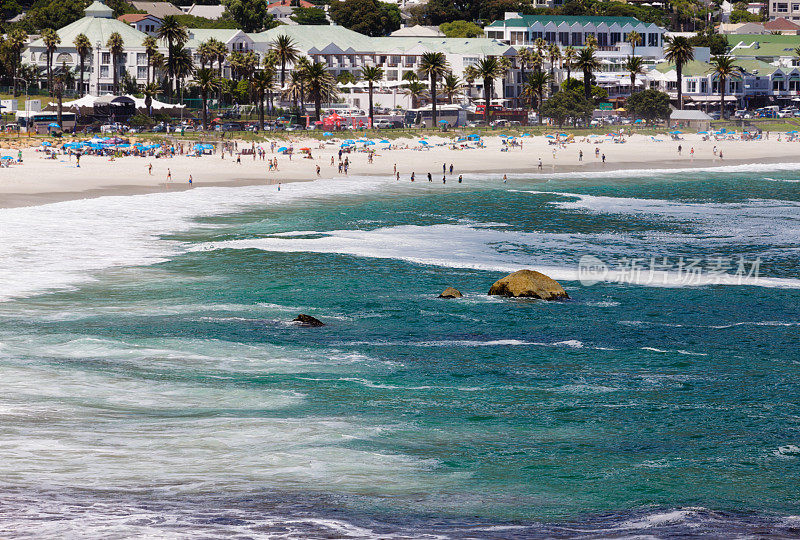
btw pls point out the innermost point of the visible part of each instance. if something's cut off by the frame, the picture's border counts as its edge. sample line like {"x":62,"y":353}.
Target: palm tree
{"x":84,"y":48}
{"x":220,"y":53}
{"x":525,"y":59}
{"x":451,"y":86}
{"x":51,"y":40}
{"x":570,"y":56}
{"x":150,"y":92}
{"x":679,"y":51}
{"x":206,"y":54}
{"x":321,"y":84}
{"x":415,"y":90}
{"x":534,"y":89}
{"x":16,"y":42}
{"x":635,"y":66}
{"x":553,"y":55}
{"x":180,"y":64}
{"x":587,"y":62}
{"x":174,"y":33}
{"x":158,"y":62}
{"x":371,"y":74}
{"x":61,"y":81}
{"x":488,"y":69}
{"x":470,"y":74}
{"x":591,"y":41}
{"x":286,"y":51}
{"x":116,"y":47}
{"x":634,"y":38}
{"x":150,"y":48}
{"x":539,"y":48}
{"x":206,"y":81}
{"x":433,"y":65}
{"x":263,"y":83}
{"x":724,"y":69}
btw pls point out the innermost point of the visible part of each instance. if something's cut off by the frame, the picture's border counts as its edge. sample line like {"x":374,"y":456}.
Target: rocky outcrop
{"x":529,"y":284}
{"x":308,"y":320}
{"x":450,"y":292}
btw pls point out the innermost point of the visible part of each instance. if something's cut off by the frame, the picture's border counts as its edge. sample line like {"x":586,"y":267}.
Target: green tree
{"x":570,"y":56}
{"x":649,"y":105}
{"x":286,"y":50}
{"x":679,"y":51}
{"x":717,"y":43}
{"x":634,"y":65}
{"x":207,"y":82}
{"x":470,"y":74}
{"x":415,"y":90}
{"x":310,"y":16}
{"x":321,"y":84}
{"x":371,"y":74}
{"x":724,"y":68}
{"x":263,"y":84}
{"x":433,"y":65}
{"x":62,"y":80}
{"x":250,"y":15}
{"x":461,"y":29}
{"x":566,"y":104}
{"x":150,"y":91}
{"x":51,"y":40}
{"x":534,"y":89}
{"x":553,"y":56}
{"x":116,"y":47}
{"x":84,"y":48}
{"x":181,"y":64}
{"x":588,"y":63}
{"x":175,"y":35}
{"x":369,"y":17}
{"x":488,"y":68}
{"x":150,"y":48}
{"x":451,"y":86}
{"x":634,"y":38}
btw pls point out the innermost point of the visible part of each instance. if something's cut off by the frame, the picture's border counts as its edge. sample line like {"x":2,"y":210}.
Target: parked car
{"x":384,"y":124}
{"x":294,"y":127}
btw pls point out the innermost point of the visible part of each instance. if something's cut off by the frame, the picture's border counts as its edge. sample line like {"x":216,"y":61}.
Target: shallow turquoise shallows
{"x":152,"y":383}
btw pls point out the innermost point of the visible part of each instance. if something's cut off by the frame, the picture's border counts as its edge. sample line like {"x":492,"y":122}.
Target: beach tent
{"x":384,"y":141}
{"x":327,"y":134}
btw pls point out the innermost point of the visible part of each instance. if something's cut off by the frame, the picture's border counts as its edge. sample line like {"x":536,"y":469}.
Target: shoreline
{"x":100,"y":176}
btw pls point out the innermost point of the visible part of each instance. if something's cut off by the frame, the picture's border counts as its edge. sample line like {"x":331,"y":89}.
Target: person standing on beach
{"x":395,"y":168}
{"x":78,"y":160}
{"x":604,"y":158}
{"x":444,"y":179}
{"x":430,"y":177}
{"x":540,"y":164}
{"x":444,"y":168}
{"x":580,"y":155}
{"x":317,"y":170}
{"x":169,"y":174}
{"x":679,"y":149}
{"x":505,"y":178}
{"x":412,"y":176}
{"x":596,"y":152}
{"x":150,"y":169}
{"x":720,"y":154}
{"x":691,"y":152}
{"x":397,"y":176}
{"x":190,"y":179}
{"x":460,"y":178}
{"x":451,"y":168}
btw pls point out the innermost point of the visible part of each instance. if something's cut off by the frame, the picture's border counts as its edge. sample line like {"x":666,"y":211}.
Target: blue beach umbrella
{"x":792,"y":132}
{"x":442,"y":121}
{"x":423,"y":142}
{"x":384,"y":141}
{"x":54,"y":125}
{"x":525,"y":135}
{"x":369,"y":143}
{"x":550,"y":136}
{"x":46,"y":143}
{"x":327,"y":134}
{"x":282,"y":149}
{"x":7,"y":158}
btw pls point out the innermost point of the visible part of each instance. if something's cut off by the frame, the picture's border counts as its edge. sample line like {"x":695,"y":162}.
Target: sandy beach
{"x":39,"y":180}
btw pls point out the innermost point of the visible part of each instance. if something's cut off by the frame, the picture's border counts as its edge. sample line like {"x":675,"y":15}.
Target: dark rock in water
{"x":308,"y":320}
{"x":529,"y":284}
{"x":450,"y":292}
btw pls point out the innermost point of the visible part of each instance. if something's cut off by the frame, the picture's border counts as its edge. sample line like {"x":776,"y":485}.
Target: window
{"x":394,"y":60}
{"x":577,"y":38}
{"x":141,"y":72}
{"x":106,"y":59}
{"x":391,"y":75}
{"x":602,"y":39}
{"x":691,"y":86}
{"x":563,"y":38}
{"x":652,"y":40}
{"x":615,"y":38}
{"x":470,"y":60}
{"x":141,"y":59}
{"x":550,"y":37}
{"x":104,"y":71}
{"x":782,"y":7}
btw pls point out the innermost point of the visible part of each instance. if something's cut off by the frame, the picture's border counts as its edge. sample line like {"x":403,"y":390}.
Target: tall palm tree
{"x":635,"y":66}
{"x":321,"y":84}
{"x":61,"y":81}
{"x":470,"y":74}
{"x":206,"y":54}
{"x":263,"y":83}
{"x":84,"y":48}
{"x":286,"y":51}
{"x":634,"y":38}
{"x":591,"y":41}
{"x":220,"y":53}
{"x":15,"y":42}
{"x":206,"y":81}
{"x":175,"y":34}
{"x":181,"y":64}
{"x":539,"y":48}
{"x":150,"y":48}
{"x":525,"y":59}
{"x":679,"y":51}
{"x":371,"y":74}
{"x":116,"y":47}
{"x":587,"y":62}
{"x":451,"y":86}
{"x":51,"y":40}
{"x":433,"y":65}
{"x":150,"y":91}
{"x":534,"y":89}
{"x":553,"y":55}
{"x":488,"y":69}
{"x":415,"y":90}
{"x":570,"y":56}
{"x":723,"y":68}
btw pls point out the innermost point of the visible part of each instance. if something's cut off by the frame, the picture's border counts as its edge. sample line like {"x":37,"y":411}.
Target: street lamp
{"x":27,"y":119}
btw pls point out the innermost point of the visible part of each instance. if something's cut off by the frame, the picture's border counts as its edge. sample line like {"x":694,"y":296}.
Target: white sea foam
{"x":61,"y":244}
{"x":493,"y":249}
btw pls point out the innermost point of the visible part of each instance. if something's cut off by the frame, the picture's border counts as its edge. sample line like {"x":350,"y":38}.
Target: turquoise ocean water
{"x":153,"y":386}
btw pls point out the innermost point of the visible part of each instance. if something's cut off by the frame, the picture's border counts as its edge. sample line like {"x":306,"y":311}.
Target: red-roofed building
{"x":143,"y":22}
{"x":782,"y":25}
{"x":282,"y":10}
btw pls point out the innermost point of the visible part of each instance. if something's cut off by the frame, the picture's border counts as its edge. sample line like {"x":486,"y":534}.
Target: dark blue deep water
{"x":152,"y":384}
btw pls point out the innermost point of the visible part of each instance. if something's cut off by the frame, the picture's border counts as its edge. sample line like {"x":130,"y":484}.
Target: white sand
{"x":41,"y":180}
